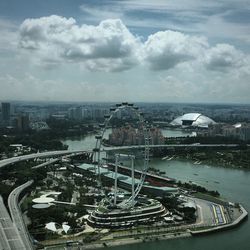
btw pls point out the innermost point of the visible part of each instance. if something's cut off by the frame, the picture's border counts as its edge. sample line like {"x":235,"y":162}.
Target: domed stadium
{"x":192,"y":120}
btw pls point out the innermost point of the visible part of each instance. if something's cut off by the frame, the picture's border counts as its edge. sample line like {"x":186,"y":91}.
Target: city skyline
{"x":146,"y":51}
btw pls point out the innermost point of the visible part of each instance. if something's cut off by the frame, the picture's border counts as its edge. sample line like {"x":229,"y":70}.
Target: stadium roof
{"x":192,"y":120}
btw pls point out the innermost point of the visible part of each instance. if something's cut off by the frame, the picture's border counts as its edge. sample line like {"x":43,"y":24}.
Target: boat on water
{"x":197,"y":162}
{"x":164,"y":158}
{"x":169,"y":159}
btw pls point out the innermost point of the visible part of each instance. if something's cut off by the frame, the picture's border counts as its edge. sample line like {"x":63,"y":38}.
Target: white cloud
{"x":109,"y":46}
{"x":37,"y":33}
{"x":183,"y":67}
{"x":164,"y":50}
{"x":223,"y":57}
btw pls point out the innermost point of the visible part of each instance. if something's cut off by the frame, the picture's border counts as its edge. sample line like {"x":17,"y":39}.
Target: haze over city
{"x":164,"y":51}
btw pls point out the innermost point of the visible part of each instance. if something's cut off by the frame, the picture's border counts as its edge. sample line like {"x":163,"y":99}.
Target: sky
{"x":125,"y":50}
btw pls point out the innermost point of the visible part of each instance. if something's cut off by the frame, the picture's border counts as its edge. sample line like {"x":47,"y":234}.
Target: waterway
{"x":233,"y":185}
{"x":88,"y":142}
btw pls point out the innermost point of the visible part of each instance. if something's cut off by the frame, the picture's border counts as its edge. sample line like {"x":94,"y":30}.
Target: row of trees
{"x":197,"y":188}
{"x":173,"y":204}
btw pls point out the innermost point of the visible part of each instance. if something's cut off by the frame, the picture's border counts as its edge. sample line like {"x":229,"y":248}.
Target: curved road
{"x":14,"y":235}
{"x":39,"y":155}
{"x":16,"y":215}
{"x":10,"y":238}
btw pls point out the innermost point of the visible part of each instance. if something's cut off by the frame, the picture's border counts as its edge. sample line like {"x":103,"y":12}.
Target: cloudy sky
{"x":115,"y":50}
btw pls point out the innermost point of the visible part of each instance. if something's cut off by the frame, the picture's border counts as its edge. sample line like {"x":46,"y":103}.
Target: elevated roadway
{"x":16,"y":215}
{"x":194,"y":145}
{"x":12,"y":160}
{"x":13,"y":233}
{"x":69,"y":153}
{"x":46,"y":163}
{"x":10,"y":238}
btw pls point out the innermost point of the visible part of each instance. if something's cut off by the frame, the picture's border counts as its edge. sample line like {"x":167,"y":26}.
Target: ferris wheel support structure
{"x":98,"y":149}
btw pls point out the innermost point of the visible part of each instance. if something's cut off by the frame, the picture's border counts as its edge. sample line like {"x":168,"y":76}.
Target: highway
{"x":194,"y":145}
{"x":46,"y":163}
{"x":16,"y":215}
{"x":78,"y":152}
{"x":9,"y":236}
{"x":39,"y":155}
{"x":13,"y":233}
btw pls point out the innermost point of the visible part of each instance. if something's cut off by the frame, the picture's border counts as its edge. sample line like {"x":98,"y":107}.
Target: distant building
{"x":22,"y":122}
{"x":98,"y":113}
{"x":128,"y":135}
{"x":245,"y":132}
{"x":156,"y":136}
{"x":6,"y":113}
{"x":58,"y":116}
{"x":239,"y":130}
{"x":81,"y":113}
{"x":86,"y":114}
{"x":215,"y":129}
{"x":75,"y":113}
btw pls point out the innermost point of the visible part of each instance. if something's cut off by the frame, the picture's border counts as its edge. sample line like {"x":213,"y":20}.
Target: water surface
{"x":233,"y":184}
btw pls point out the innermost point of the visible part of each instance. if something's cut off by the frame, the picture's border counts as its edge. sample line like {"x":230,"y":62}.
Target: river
{"x":233,"y":185}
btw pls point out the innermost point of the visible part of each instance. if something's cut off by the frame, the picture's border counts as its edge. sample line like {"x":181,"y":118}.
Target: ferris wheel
{"x":142,"y":124}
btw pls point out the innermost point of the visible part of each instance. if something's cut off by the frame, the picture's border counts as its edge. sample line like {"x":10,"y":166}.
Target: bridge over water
{"x":194,"y":145}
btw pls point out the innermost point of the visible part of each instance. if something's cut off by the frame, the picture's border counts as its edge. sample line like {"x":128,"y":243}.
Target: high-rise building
{"x":6,"y":113}
{"x":22,"y":122}
{"x":129,"y":135}
{"x":75,"y":113}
